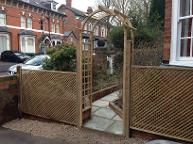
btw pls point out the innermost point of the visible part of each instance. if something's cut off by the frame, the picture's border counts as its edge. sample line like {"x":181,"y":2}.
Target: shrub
{"x":63,"y":58}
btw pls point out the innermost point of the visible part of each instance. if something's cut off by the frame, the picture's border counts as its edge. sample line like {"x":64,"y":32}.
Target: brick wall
{"x":167,"y":30}
{"x":8,"y":98}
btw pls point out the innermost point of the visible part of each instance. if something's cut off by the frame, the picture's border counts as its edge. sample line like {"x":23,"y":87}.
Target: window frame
{"x":4,"y":19}
{"x":23,"y":21}
{"x":25,"y":37}
{"x":57,"y":28}
{"x":175,"y":58}
{"x":8,"y":39}
{"x":27,"y":22}
{"x":53,"y":27}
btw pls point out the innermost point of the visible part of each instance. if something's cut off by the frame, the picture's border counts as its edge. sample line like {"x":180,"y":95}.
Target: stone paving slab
{"x":117,"y":118}
{"x":98,"y":123}
{"x":101,"y":103}
{"x":105,"y":112}
{"x":110,"y":98}
{"x":116,"y":128}
{"x":95,"y":108}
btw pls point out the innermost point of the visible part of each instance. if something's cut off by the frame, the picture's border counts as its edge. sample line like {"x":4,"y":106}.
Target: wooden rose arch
{"x":84,"y":62}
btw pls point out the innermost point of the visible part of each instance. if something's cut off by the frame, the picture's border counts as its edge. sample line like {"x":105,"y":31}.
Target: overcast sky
{"x":80,"y":4}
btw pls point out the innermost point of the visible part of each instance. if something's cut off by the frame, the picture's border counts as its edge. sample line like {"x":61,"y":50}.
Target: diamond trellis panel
{"x":162,"y":101}
{"x":51,"y":95}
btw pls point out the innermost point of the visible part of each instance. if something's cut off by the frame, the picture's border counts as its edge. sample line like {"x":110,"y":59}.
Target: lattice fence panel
{"x":51,"y":95}
{"x":162,"y":101}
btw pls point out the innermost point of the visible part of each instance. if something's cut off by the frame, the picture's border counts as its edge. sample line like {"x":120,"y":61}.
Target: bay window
{"x":27,"y":44}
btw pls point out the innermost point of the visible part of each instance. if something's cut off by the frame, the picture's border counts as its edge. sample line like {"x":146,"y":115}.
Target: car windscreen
{"x":35,"y":61}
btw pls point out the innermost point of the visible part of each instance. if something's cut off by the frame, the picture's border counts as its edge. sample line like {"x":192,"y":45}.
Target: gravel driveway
{"x":67,"y":133}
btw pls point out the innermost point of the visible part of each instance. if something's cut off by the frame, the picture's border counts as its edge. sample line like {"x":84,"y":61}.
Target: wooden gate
{"x":50,"y":95}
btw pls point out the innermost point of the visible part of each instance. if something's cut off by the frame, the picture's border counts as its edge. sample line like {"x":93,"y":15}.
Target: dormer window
{"x":53,"y":6}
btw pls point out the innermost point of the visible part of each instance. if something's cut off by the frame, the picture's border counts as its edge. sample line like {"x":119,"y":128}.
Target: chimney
{"x":89,"y":10}
{"x":69,"y":3}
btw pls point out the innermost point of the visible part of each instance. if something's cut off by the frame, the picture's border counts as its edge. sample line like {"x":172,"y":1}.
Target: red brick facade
{"x":167,"y":30}
{"x":14,"y":10}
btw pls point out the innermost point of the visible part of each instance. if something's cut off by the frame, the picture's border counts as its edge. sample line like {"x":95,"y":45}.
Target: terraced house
{"x":30,"y":25}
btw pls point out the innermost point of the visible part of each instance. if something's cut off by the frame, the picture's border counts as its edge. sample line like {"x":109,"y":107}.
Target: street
{"x":4,"y":66}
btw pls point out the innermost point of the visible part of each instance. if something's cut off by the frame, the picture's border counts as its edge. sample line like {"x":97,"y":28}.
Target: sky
{"x":80,"y":4}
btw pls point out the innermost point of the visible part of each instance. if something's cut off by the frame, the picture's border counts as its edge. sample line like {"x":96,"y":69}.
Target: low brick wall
{"x":101,"y":93}
{"x":8,"y":98}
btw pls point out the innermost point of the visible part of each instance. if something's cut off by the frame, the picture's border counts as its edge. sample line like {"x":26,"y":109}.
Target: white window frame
{"x":175,"y":58}
{"x":26,"y":45}
{"x":57,"y":29}
{"x":53,"y":27}
{"x":8,"y":40}
{"x":23,"y":21}
{"x":4,"y":19}
{"x":29,"y":23}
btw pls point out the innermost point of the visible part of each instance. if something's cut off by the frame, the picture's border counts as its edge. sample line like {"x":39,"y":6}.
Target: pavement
{"x":103,"y":118}
{"x":15,"y":137}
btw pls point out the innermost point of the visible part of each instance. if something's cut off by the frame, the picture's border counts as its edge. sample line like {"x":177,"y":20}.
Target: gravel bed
{"x":68,"y":133}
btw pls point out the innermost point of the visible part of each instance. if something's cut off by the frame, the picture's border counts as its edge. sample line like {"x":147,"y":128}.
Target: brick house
{"x":75,"y":18}
{"x":178,"y":35}
{"x":72,"y":26}
{"x":29,"y":25}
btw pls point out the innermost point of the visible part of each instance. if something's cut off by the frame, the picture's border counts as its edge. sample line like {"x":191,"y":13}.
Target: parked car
{"x":17,"y":57}
{"x":34,"y":63}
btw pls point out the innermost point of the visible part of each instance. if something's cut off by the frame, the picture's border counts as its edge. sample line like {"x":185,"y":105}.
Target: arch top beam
{"x":110,"y":12}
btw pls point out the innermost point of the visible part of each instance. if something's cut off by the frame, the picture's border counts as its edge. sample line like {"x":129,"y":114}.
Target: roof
{"x":74,"y":10}
{"x":26,"y":32}
{"x":78,"y":12}
{"x":3,"y":29}
{"x":41,"y":4}
{"x":68,"y":33}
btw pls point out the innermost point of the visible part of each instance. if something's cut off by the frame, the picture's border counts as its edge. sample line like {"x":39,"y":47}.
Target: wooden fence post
{"x":19,"y":78}
{"x":127,"y":83}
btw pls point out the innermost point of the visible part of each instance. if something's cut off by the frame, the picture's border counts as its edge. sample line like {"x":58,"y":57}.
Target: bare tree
{"x":140,"y":7}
